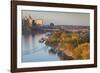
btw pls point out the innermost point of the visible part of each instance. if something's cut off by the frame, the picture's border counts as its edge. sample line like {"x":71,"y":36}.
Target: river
{"x":35,"y":51}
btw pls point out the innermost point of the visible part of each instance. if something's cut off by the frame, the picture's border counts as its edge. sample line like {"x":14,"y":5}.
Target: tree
{"x":51,"y":24}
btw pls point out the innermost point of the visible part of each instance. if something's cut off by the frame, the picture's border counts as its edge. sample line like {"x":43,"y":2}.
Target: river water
{"x":35,"y":51}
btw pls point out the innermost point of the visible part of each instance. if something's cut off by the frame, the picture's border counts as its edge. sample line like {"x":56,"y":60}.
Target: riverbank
{"x":75,"y":45}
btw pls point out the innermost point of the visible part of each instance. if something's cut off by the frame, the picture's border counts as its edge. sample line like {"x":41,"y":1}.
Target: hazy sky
{"x":59,"y":18}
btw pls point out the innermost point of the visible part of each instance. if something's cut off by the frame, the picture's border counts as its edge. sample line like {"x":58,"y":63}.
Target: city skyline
{"x":59,"y":18}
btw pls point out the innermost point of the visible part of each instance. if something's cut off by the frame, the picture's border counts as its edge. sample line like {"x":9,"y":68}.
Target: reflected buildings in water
{"x":30,"y":41}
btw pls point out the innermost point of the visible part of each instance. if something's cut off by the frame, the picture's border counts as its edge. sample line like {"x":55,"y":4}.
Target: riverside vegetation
{"x":75,"y":45}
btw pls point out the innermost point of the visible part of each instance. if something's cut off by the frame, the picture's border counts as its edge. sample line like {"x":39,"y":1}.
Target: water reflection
{"x":35,"y":51}
{"x":30,"y":41}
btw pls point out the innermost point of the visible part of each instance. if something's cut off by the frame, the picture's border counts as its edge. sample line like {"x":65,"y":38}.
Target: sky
{"x":59,"y":18}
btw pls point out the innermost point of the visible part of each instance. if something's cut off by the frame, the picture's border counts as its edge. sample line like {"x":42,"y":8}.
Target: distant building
{"x":39,"y":22}
{"x":30,"y":21}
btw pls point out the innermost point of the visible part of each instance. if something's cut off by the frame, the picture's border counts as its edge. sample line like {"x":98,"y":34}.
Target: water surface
{"x":35,"y":51}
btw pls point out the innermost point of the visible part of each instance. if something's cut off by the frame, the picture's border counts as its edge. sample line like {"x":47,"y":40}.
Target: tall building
{"x":29,"y":19}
